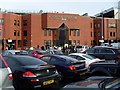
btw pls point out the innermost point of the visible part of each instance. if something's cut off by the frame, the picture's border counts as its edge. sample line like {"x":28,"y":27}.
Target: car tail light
{"x":10,"y":74}
{"x":72,"y":67}
{"x":28,"y":74}
{"x":118,"y":57}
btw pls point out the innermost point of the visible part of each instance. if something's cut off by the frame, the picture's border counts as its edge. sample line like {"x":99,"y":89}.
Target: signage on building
{"x":101,"y":40}
{"x":64,"y":17}
{"x":112,"y":25}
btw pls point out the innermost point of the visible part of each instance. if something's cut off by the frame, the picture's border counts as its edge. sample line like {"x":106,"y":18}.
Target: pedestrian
{"x":38,"y":47}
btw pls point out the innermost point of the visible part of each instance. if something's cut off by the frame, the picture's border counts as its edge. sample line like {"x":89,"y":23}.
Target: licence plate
{"x":48,"y":82}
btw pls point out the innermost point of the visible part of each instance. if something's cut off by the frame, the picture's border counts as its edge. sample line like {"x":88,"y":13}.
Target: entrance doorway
{"x":63,"y":34}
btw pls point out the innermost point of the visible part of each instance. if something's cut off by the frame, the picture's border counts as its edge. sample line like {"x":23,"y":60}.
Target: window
{"x":111,"y":34}
{"x":78,"y":42}
{"x":107,"y":51}
{"x":97,"y":50}
{"x":49,"y":32}
{"x":94,"y":34}
{"x":18,"y":33}
{"x":1,"y":21}
{"x":14,"y":32}
{"x":25,"y":22}
{"x":46,"y":58}
{"x":70,"y":32}
{"x":78,"y":32}
{"x":18,"y":23}
{"x":95,"y":26}
{"x":91,"y":25}
{"x":80,"y":58}
{"x":45,"y":32}
{"x":114,"y":34}
{"x":54,"y":59}
{"x":55,"y":32}
{"x":0,"y":32}
{"x":91,"y":34}
{"x":99,"y":34}
{"x":74,"y":41}
{"x":98,"y":25}
{"x":15,"y":22}
{"x":47,"y":42}
{"x":24,"y":42}
{"x":19,"y":43}
{"x":74,"y":33}
{"x":25,"y":33}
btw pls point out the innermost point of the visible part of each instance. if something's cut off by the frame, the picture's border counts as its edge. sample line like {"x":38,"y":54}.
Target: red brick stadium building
{"x":25,"y":30}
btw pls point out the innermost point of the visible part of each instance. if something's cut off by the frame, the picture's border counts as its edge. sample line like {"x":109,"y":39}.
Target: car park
{"x":104,"y":52}
{"x":30,"y":72}
{"x":68,"y":67}
{"x":37,"y":53}
{"x":84,"y":57}
{"x":6,"y":79}
{"x":95,"y":83}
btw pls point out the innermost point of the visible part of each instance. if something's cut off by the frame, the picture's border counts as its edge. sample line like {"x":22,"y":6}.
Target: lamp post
{"x":102,"y":32}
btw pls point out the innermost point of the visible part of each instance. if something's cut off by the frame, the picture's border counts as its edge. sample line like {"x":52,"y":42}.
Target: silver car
{"x":5,"y":76}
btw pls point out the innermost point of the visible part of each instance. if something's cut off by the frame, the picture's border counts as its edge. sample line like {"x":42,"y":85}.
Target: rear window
{"x":27,"y":60}
{"x":58,"y":52}
{"x":79,"y":47}
{"x":89,"y":57}
{"x":68,"y":59}
{"x":42,"y":52}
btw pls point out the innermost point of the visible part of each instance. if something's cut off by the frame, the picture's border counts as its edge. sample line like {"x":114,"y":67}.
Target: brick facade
{"x":55,"y":29}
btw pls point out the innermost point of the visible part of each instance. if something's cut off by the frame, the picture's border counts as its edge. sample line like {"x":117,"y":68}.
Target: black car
{"x":29,"y":72}
{"x":104,"y":52}
{"x":68,"y":67}
{"x":95,"y":83}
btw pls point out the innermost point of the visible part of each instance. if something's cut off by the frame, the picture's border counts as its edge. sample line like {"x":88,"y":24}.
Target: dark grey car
{"x":95,"y":83}
{"x":103,"y":52}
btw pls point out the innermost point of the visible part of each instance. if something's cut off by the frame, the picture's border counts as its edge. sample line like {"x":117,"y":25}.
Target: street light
{"x":102,"y":32}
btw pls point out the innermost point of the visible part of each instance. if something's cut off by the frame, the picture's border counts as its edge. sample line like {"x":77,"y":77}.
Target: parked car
{"x":6,"y":79}
{"x":81,"y":49}
{"x":95,"y":83}
{"x":84,"y":57}
{"x":53,"y":51}
{"x":105,"y":68}
{"x":11,"y":52}
{"x":68,"y":67}
{"x":104,"y":52}
{"x":30,"y":72}
{"x":37,"y":53}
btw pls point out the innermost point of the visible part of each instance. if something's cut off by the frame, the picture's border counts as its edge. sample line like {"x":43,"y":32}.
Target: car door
{"x":98,"y":53}
{"x":108,"y":54}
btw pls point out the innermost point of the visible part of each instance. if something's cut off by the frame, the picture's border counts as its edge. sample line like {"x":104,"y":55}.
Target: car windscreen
{"x":27,"y":60}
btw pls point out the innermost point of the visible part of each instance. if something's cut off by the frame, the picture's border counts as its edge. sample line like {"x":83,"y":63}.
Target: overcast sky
{"x":91,"y":7}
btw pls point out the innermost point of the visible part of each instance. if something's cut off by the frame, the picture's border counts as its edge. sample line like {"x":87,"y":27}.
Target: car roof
{"x":103,"y":47}
{"x":77,"y":54}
